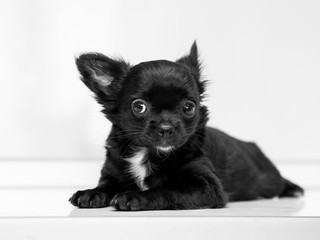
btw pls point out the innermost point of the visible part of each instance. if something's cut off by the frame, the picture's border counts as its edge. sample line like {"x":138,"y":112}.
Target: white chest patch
{"x":138,"y":168}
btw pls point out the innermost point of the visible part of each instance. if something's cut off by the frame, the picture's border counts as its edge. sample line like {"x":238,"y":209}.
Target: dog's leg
{"x":197,"y":186}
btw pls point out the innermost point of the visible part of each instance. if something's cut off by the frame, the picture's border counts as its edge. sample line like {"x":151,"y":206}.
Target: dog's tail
{"x":291,"y":190}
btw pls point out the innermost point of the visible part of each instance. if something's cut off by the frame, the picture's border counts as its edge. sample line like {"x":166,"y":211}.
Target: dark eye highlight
{"x":189,"y":108}
{"x":139,"y":106}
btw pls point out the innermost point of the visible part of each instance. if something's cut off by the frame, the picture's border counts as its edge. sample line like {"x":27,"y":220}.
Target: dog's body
{"x":160,"y":154}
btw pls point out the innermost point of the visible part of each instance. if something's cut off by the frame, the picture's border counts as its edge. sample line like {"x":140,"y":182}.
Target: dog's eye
{"x":189,"y":108}
{"x":139,"y":106}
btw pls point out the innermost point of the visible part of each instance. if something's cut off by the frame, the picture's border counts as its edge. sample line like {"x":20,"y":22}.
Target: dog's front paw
{"x":130,"y":201}
{"x":91,"y":198}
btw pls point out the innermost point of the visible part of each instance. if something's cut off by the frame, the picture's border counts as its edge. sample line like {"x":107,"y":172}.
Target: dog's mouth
{"x":165,"y":148}
{"x":163,"y":145}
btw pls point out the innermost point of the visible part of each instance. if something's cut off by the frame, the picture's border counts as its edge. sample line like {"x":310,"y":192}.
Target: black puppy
{"x":160,"y":154}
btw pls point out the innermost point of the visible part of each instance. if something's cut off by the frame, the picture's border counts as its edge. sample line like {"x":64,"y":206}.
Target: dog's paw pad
{"x":91,"y":198}
{"x":129,"y":201}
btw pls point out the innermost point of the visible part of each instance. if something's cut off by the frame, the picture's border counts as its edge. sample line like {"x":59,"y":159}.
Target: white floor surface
{"x":34,"y":205}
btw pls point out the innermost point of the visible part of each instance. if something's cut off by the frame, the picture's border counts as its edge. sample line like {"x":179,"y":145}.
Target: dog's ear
{"x":103,"y":76}
{"x":191,"y":61}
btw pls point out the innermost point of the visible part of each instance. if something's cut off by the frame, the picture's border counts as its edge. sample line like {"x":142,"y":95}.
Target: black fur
{"x":205,"y":168}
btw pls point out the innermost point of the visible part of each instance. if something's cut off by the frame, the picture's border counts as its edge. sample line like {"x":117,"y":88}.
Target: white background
{"x":262,"y":57}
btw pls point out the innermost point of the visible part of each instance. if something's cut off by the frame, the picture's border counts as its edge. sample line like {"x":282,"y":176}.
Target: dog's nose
{"x":165,"y":129}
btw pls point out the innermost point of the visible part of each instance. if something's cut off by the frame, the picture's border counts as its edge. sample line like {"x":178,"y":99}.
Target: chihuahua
{"x":160,"y":154}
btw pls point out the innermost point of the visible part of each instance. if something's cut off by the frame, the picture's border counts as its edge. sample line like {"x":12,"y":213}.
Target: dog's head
{"x":155,"y":104}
